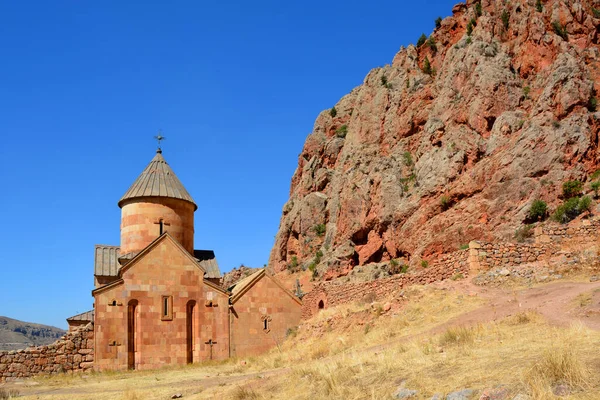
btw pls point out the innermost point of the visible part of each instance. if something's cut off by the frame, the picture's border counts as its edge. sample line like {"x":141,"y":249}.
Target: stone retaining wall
{"x":553,"y":244}
{"x":74,"y":352}
{"x":330,"y":294}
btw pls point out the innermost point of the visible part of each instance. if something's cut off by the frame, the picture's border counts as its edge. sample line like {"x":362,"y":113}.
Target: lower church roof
{"x":106,"y":261}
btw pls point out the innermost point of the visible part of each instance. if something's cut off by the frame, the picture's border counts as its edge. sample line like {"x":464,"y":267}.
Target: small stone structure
{"x":74,"y":352}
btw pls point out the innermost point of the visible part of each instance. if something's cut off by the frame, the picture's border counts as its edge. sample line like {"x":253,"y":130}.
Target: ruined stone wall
{"x":553,"y":248}
{"x":333,"y":293}
{"x":553,"y":244}
{"x":74,"y":352}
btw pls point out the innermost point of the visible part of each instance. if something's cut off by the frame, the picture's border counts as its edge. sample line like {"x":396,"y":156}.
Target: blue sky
{"x":234,"y":86}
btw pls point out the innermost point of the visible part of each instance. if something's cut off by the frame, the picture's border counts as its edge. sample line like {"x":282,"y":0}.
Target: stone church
{"x":158,"y":301}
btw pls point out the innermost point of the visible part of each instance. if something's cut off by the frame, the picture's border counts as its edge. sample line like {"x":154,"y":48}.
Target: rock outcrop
{"x":451,"y":142}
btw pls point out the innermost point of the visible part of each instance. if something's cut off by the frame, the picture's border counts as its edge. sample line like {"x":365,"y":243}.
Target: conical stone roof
{"x":157,"y":180}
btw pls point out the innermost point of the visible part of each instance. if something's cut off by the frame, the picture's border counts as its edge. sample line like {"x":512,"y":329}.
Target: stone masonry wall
{"x":553,"y":244}
{"x":333,"y":293}
{"x":561,"y":242}
{"x":74,"y":352}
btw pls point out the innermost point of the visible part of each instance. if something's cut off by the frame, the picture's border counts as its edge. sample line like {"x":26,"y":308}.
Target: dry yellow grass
{"x":416,"y":346}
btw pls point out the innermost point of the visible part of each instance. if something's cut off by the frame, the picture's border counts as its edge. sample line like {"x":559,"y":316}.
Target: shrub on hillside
{"x":438,"y":22}
{"x":293,"y":265}
{"x":571,"y":189}
{"x":595,"y":187}
{"x":342,"y":131}
{"x":560,"y":30}
{"x":333,"y":112}
{"x":432,"y":45}
{"x":478,"y":9}
{"x":445,"y":202}
{"x":538,"y":6}
{"x":538,"y":210}
{"x":320,"y":229}
{"x":422,"y":40}
{"x":572,"y":208}
{"x":505,"y":17}
{"x":397,"y":268}
{"x":470,"y":26}
{"x":427,"y":66}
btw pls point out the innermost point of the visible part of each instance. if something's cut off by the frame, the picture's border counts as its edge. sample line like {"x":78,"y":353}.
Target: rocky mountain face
{"x":15,"y":334}
{"x":451,"y":142}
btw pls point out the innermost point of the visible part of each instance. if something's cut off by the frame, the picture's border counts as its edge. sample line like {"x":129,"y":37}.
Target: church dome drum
{"x":156,"y":203}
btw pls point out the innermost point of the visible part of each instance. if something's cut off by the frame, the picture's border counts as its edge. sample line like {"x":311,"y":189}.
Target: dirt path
{"x":557,"y":302}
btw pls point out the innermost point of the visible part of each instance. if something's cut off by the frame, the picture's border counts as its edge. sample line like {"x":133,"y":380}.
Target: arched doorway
{"x":190,"y":330}
{"x":132,"y":317}
{"x":321,"y":305}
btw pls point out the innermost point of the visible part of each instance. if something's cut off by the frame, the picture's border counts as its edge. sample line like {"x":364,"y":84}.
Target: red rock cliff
{"x":413,"y":164}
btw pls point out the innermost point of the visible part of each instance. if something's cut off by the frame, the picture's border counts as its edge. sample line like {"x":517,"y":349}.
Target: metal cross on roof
{"x":160,"y":138}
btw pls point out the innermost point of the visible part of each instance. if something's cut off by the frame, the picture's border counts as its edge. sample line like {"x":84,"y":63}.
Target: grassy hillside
{"x":15,"y":334}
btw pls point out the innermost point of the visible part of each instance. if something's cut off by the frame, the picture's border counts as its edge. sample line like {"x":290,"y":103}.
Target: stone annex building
{"x":158,"y":301}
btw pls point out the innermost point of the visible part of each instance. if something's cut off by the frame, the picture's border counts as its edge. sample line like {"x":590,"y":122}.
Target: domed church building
{"x":159,"y":301}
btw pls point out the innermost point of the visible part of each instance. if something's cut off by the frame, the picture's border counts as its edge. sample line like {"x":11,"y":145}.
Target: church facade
{"x":158,"y":301}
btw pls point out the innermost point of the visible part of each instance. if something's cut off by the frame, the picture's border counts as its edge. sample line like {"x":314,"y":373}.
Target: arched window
{"x":321,"y":305}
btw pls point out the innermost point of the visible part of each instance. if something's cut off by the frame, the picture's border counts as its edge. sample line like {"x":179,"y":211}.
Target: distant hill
{"x":15,"y":334}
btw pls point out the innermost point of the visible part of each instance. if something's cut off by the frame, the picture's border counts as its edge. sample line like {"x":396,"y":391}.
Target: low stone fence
{"x":330,"y":294}
{"x":72,"y":353}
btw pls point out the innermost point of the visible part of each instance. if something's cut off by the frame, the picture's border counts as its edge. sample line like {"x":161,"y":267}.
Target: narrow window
{"x":321,"y":305}
{"x":167,"y":308}
{"x":266,"y":323}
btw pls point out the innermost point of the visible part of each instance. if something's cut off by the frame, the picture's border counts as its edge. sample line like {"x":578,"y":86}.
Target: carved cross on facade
{"x":210,"y":343}
{"x":162,"y":225}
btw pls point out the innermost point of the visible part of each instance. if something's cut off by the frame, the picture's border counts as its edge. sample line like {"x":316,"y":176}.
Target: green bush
{"x":593,"y":104}
{"x":478,"y":9}
{"x":585,"y":204}
{"x":333,"y":112}
{"x":505,"y":17}
{"x":407,"y":158}
{"x":538,"y":210}
{"x":312,"y":267}
{"x":538,"y":6}
{"x":422,"y":40}
{"x":596,"y":12}
{"x":470,"y":26}
{"x":293,"y":265}
{"x":432,"y":45}
{"x":424,"y":264}
{"x":397,"y":268}
{"x":560,"y":30}
{"x":445,"y":202}
{"x":318,"y":256}
{"x":427,"y":66}
{"x":342,"y":131}
{"x":571,"y":189}
{"x":320,"y":229}
{"x":523,"y":233}
{"x":464,"y":246}
{"x":595,"y":187}
{"x":384,"y":80}
{"x":571,"y":208}
{"x":438,"y":22}
{"x":526,"y":91}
